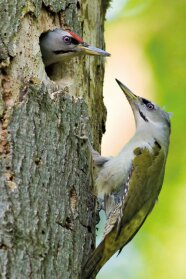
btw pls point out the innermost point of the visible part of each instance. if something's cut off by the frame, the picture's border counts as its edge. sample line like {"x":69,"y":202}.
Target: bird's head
{"x":59,"y":45}
{"x":146,"y":112}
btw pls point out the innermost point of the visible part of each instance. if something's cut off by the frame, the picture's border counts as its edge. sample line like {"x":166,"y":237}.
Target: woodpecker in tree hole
{"x":60,"y":45}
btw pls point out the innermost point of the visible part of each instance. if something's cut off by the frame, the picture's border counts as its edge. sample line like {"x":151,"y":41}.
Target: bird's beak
{"x":91,"y":50}
{"x":131,"y":97}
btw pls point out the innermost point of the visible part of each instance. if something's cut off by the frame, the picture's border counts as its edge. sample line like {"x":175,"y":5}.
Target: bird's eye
{"x":150,"y":106}
{"x":67,"y":40}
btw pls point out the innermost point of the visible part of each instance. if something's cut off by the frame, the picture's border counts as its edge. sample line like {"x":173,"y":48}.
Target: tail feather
{"x":94,"y":263}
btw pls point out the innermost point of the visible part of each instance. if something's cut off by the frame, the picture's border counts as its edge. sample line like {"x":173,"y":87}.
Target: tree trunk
{"x":47,"y":205}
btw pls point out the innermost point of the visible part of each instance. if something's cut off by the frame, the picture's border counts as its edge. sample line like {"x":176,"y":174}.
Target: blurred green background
{"x":147,"y":40}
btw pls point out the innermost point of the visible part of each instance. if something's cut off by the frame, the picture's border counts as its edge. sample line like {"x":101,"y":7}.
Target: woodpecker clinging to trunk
{"x":131,"y":181}
{"x":59,"y":45}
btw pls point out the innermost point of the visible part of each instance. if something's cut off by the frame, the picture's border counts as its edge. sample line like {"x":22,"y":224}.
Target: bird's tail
{"x":94,"y":263}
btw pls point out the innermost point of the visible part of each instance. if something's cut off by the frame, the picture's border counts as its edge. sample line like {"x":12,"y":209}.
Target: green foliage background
{"x":159,"y":249}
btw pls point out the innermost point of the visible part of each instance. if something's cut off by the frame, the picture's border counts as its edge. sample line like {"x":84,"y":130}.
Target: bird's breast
{"x":115,"y":172}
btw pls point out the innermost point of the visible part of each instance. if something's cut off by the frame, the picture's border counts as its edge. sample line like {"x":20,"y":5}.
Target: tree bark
{"x":47,"y":205}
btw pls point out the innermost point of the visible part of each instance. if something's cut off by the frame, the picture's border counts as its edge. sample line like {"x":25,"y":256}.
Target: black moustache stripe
{"x":62,"y":51}
{"x":143,"y":116}
{"x":157,"y":143}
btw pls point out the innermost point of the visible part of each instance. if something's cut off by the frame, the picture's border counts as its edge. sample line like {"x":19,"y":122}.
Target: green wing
{"x":129,"y":214}
{"x":145,"y":182}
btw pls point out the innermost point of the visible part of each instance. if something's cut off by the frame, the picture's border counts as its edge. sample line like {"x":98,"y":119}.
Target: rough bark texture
{"x":47,"y":209}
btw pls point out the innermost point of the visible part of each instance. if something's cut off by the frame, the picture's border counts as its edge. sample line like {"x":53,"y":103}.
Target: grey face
{"x":145,"y":111}
{"x":59,"y":45}
{"x":56,"y":43}
{"x":152,"y":113}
